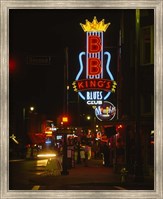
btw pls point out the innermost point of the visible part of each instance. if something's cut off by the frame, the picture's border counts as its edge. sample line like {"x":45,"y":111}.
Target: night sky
{"x":47,"y":32}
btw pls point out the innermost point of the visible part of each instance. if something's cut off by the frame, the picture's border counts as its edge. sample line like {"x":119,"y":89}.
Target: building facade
{"x":135,"y":94}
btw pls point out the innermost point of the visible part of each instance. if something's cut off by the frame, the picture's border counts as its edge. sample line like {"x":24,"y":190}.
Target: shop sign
{"x":94,"y":81}
{"x":106,"y":111}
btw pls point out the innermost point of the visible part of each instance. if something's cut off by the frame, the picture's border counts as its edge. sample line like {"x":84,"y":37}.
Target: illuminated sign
{"x":106,"y":111}
{"x":59,"y":137}
{"x":94,"y":81}
{"x":48,"y":141}
{"x":48,"y":132}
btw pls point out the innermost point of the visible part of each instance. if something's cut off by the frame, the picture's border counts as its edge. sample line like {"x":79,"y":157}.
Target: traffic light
{"x":12,"y":65}
{"x":65,"y":119}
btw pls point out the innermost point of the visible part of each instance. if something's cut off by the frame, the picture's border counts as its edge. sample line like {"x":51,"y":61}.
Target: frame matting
{"x":157,"y":5}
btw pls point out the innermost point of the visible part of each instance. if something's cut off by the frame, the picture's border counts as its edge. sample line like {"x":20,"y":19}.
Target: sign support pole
{"x":64,"y":162}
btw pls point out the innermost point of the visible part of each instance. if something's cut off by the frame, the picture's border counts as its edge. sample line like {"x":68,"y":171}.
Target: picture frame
{"x":157,"y":5}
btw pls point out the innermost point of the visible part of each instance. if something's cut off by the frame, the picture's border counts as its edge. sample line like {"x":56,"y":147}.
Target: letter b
{"x":94,"y":66}
{"x":94,"y":44}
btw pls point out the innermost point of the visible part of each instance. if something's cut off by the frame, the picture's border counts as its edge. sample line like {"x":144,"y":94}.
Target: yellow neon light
{"x":94,"y":26}
{"x":46,"y":155}
{"x":48,"y":132}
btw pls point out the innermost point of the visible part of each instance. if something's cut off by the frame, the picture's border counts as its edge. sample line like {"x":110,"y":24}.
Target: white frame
{"x":157,"y":5}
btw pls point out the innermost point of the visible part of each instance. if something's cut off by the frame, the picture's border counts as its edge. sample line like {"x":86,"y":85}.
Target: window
{"x":147,"y":104}
{"x":147,"y":45}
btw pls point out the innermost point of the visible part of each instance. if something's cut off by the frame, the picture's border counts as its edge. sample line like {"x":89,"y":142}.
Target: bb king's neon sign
{"x":94,"y":82}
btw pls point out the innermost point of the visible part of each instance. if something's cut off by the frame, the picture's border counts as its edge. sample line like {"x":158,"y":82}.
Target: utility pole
{"x":66,"y":84}
{"x":64,"y":131}
{"x":65,"y":113}
{"x":138,"y":173}
{"x":64,"y":161}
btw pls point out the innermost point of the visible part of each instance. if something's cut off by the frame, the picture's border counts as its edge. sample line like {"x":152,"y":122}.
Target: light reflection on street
{"x":40,"y":166}
{"x":41,"y":163}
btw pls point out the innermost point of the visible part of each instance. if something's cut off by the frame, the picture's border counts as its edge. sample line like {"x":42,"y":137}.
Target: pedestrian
{"x":105,"y":152}
{"x":82,"y":154}
{"x":86,"y":154}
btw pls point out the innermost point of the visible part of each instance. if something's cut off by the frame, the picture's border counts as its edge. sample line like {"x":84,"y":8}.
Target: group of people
{"x":97,"y":152}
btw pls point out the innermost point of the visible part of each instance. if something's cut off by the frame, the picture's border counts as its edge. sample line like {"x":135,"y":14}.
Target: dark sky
{"x":48,"y":32}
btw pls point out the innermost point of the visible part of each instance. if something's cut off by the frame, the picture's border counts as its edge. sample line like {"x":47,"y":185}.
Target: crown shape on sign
{"x":95,"y":26}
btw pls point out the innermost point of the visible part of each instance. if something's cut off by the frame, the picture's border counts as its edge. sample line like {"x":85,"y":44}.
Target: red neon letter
{"x":94,"y":44}
{"x":80,"y":85}
{"x":94,"y":67}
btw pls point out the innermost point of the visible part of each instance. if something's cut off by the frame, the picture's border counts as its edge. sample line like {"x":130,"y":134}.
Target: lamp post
{"x":31,"y":109}
{"x":64,"y":162}
{"x":64,"y":131}
{"x":25,"y":117}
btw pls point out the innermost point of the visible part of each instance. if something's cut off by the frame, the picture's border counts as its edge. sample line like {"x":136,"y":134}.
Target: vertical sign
{"x":94,"y":81}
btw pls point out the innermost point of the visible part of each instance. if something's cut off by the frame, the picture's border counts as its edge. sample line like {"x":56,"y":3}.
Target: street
{"x":31,"y":175}
{"x":22,"y":172}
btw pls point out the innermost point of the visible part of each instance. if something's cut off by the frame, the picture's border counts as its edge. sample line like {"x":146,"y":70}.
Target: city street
{"x":31,"y":175}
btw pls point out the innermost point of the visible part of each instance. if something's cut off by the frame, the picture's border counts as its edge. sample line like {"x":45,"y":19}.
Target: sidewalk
{"x":93,"y":177}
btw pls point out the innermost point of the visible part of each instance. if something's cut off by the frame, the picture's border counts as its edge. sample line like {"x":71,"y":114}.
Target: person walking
{"x":86,"y":154}
{"x":105,"y":152}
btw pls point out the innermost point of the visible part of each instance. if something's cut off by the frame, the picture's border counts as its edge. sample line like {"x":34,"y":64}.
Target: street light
{"x":32,"y":108}
{"x":88,"y":117}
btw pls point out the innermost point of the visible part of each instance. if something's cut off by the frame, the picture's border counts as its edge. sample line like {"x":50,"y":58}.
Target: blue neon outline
{"x":81,"y":95}
{"x":108,"y":71}
{"x":80,"y":71}
{"x":81,"y":65}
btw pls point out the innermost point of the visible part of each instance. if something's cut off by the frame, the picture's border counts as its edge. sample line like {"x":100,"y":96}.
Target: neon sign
{"x":98,"y":82}
{"x":106,"y":111}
